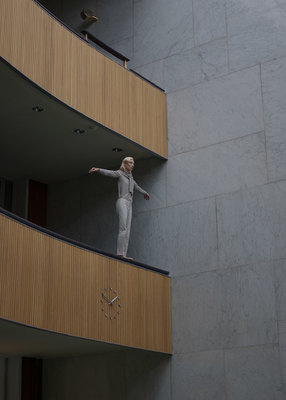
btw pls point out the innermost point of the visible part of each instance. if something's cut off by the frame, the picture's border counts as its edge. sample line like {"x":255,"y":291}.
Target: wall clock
{"x":110,"y":303}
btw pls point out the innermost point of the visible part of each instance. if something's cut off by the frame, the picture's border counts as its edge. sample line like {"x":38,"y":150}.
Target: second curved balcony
{"x":69,"y":68}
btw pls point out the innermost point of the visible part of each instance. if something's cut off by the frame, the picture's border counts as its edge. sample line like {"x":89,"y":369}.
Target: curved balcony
{"x":55,"y":284}
{"x":67,"y":67}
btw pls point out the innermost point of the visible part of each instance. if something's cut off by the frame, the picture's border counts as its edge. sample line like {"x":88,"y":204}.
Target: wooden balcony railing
{"x":104,"y":47}
{"x":49,"y":283}
{"x":69,"y":68}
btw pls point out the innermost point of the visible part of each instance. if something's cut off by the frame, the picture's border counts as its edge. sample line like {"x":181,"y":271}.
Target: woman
{"x":126,"y":186}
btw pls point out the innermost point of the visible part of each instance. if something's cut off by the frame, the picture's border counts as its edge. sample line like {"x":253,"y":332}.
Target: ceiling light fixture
{"x":116,"y":149}
{"x":79,"y":131}
{"x":38,"y":109}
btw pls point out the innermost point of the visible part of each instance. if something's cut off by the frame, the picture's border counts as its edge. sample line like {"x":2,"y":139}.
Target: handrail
{"x":110,"y":50}
{"x":79,"y":244}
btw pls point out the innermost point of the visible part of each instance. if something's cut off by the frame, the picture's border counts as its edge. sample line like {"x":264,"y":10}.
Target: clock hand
{"x":113,"y":299}
{"x":106,"y":298}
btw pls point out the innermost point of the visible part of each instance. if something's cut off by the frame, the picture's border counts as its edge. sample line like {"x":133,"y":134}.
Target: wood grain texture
{"x":71,"y":70}
{"x":50,"y":284}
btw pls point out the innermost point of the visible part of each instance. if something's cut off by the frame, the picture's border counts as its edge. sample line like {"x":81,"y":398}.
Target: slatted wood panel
{"x":53,"y":285}
{"x":74,"y":72}
{"x":145,"y":300}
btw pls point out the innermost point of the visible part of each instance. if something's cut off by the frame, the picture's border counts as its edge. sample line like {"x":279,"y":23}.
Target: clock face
{"x":110,"y":303}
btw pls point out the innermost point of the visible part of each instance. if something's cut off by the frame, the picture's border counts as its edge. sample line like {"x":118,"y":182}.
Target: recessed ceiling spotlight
{"x":38,"y":109}
{"x":79,"y":131}
{"x":116,"y":149}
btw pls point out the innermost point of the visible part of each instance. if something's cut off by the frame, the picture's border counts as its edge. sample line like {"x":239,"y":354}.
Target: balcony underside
{"x":26,"y":341}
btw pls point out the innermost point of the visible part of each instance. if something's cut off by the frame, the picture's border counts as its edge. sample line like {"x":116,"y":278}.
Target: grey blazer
{"x":126,"y":183}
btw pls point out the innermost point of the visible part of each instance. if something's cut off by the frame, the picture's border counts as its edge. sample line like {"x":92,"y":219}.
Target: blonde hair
{"x":124,"y":161}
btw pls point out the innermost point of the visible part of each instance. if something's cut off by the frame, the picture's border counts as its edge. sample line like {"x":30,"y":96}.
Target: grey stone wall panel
{"x":251,"y":225}
{"x":222,"y":168}
{"x":224,"y":309}
{"x":280,"y":288}
{"x":274,"y":99}
{"x":221,"y":109}
{"x":282,"y":352}
{"x":209,"y":20}
{"x":181,"y":239}
{"x":199,"y":312}
{"x":253,"y":373}
{"x":147,"y":376}
{"x":198,"y":376}
{"x":153,"y":71}
{"x":251,"y":306}
{"x":195,"y":65}
{"x":256,"y":31}
{"x":161,"y":28}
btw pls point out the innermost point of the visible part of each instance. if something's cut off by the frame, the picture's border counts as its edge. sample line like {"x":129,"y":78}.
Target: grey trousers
{"x":124,"y":212}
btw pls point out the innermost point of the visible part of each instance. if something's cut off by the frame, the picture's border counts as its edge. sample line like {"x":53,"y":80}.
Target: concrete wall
{"x":124,"y":375}
{"x":217,"y":218}
{"x":223,"y":229}
{"x":84,"y":210}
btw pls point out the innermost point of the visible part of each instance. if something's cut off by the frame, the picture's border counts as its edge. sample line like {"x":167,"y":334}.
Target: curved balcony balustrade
{"x":69,"y":68}
{"x":55,"y":284}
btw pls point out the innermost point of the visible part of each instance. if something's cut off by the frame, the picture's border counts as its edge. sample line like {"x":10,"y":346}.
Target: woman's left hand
{"x":93,"y":169}
{"x":146,"y":196}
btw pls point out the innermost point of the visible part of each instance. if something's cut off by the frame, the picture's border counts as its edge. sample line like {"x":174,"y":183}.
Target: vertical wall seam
{"x":227,"y":34}
{"x":217,"y":234}
{"x":193,"y":20}
{"x":224,"y":374}
{"x":277,"y":326}
{"x":264,"y":125}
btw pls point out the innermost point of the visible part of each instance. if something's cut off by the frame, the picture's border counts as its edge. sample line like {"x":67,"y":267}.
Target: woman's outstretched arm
{"x":140,"y":190}
{"x":105,"y":172}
